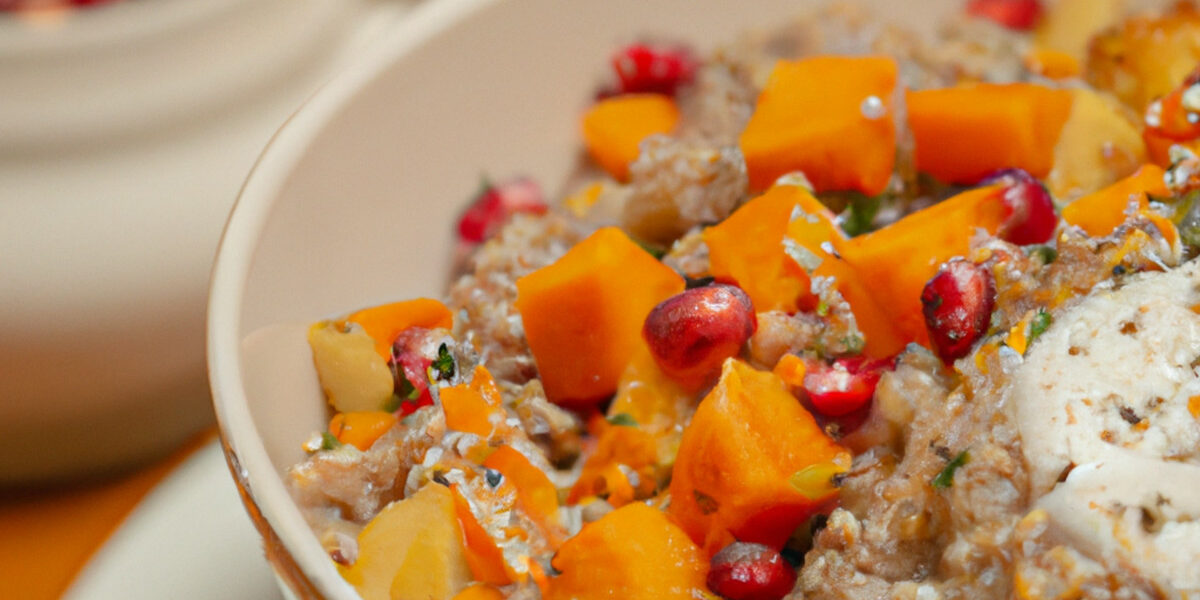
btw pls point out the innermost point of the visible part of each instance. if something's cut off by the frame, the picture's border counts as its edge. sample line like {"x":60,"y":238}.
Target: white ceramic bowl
{"x":354,"y":200}
{"x":126,"y":131}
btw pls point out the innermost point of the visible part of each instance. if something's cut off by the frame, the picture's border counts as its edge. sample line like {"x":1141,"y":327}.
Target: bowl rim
{"x":265,"y":497}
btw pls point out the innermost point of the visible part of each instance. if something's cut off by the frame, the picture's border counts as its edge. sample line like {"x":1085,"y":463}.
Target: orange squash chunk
{"x":617,"y":446}
{"x":1099,"y":213}
{"x":750,"y":248}
{"x":613,"y":128}
{"x":483,"y":556}
{"x":535,"y":492}
{"x":963,"y":133}
{"x":828,"y":116}
{"x":583,"y":314}
{"x":384,"y":322}
{"x":813,"y":229}
{"x":473,"y":407}
{"x":747,"y":249}
{"x":361,"y":428}
{"x":632,"y":553}
{"x":733,"y":479}
{"x":480,"y":591}
{"x":899,"y":259}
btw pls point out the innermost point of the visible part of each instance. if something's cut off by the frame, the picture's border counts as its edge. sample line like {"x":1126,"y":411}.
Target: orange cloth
{"x":46,"y":537}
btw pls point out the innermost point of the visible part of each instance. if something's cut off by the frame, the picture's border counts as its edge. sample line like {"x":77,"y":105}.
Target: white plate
{"x":189,"y":538}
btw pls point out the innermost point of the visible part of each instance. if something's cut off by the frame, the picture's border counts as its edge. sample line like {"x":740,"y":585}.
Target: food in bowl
{"x":834,"y":312}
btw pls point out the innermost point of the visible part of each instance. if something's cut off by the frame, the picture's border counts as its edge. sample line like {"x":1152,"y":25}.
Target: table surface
{"x":47,"y":536}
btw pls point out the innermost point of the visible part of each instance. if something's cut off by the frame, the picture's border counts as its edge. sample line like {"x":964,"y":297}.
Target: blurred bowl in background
{"x":125,"y":132}
{"x":353,"y":203}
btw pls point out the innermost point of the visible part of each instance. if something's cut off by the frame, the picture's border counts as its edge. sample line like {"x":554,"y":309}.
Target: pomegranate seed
{"x":691,"y":333}
{"x":1031,"y":218}
{"x":409,"y":367}
{"x":958,"y":304}
{"x":744,"y":571}
{"x":494,"y":206}
{"x":1021,"y":15}
{"x":651,"y":69}
{"x":843,"y":387}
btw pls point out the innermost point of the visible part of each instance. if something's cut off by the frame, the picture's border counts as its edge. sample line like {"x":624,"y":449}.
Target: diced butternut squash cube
{"x":619,"y":449}
{"x":484,"y":557}
{"x":813,"y":229}
{"x":474,"y":407}
{"x":1101,"y":212}
{"x":384,"y":322}
{"x":613,"y":128}
{"x":733,"y":477}
{"x":361,"y":429}
{"x":748,"y":249}
{"x":480,"y":591}
{"x":632,"y":553}
{"x":965,"y":132}
{"x":828,"y":116}
{"x":583,"y":314}
{"x":536,"y":494}
{"x":897,"y":260}
{"x":412,"y":549}
{"x":756,"y":247}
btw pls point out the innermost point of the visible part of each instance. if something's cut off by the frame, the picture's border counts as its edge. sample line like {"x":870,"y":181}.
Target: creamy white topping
{"x":1111,"y":393}
{"x":1114,"y":376}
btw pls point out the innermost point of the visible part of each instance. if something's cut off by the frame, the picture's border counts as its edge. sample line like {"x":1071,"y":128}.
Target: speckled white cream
{"x":1139,"y":512}
{"x":1106,"y":390}
{"x":1117,"y":357}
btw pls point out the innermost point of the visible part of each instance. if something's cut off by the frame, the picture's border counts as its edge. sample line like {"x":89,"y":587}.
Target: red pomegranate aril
{"x":958,"y":304}
{"x":653,"y":69}
{"x":1021,"y":15}
{"x":496,"y":204}
{"x":846,"y":385}
{"x":691,"y":333}
{"x":410,"y":365}
{"x":744,"y":571}
{"x":1031,"y":218}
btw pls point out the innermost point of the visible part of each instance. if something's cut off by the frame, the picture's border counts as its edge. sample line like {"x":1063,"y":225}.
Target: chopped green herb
{"x":405,"y":388}
{"x":860,"y":214}
{"x":443,"y":365}
{"x":656,"y":251}
{"x":329,"y":441}
{"x":392,"y":403}
{"x":1045,"y":254}
{"x":945,"y":479}
{"x":623,"y":419}
{"x":823,"y":308}
{"x":1040,"y":323}
{"x":854,"y":343}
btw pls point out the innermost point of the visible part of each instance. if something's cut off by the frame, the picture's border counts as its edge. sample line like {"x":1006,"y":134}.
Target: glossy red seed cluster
{"x":958,"y":304}
{"x":691,"y":333}
{"x":744,"y":571}
{"x":843,"y":386}
{"x":1031,"y":217}
{"x":496,"y":204}
{"x":653,"y":69}
{"x":409,"y":360}
{"x":1021,"y":15}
